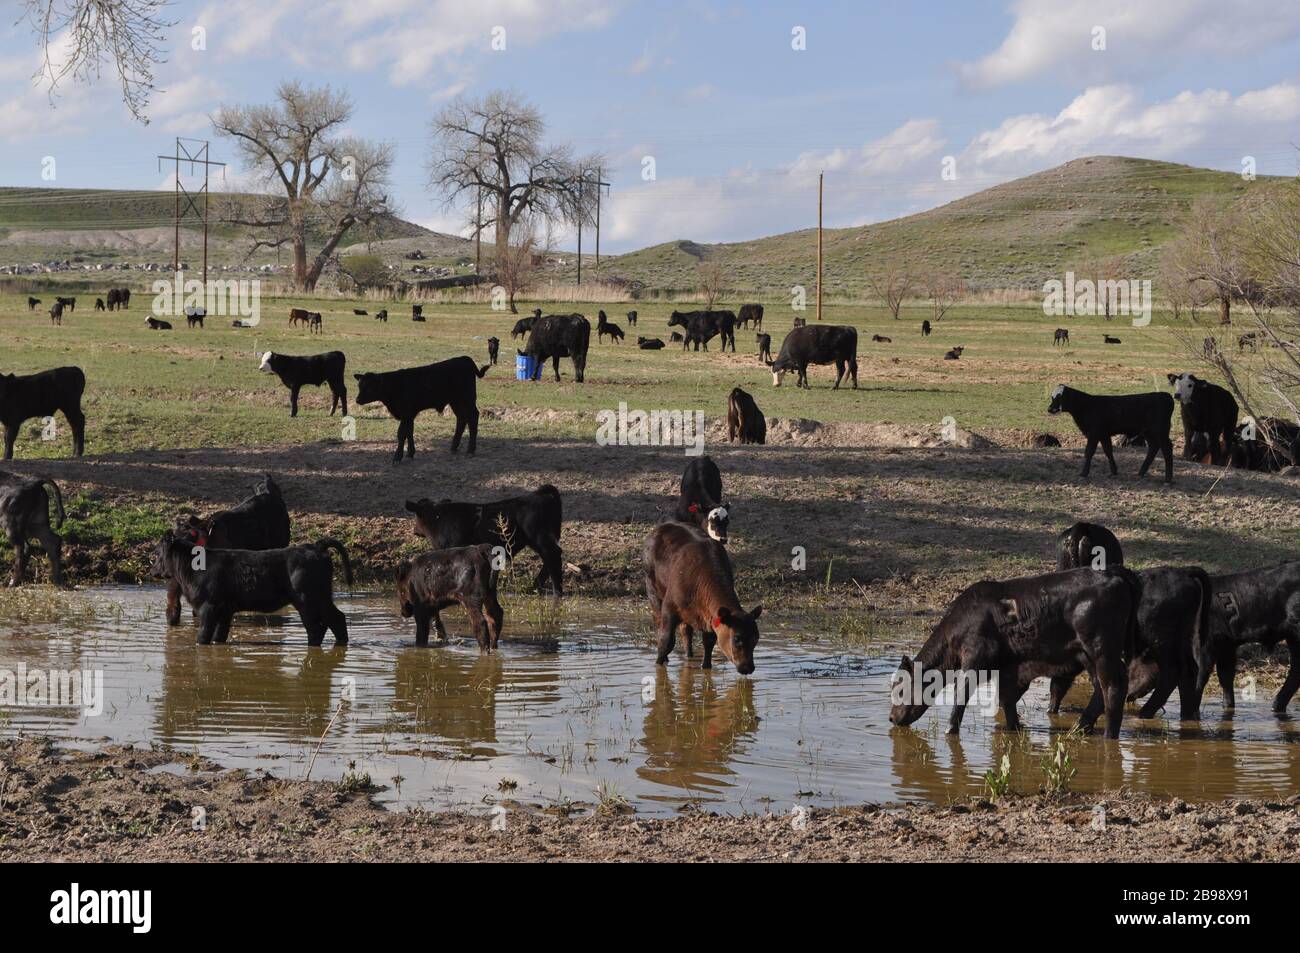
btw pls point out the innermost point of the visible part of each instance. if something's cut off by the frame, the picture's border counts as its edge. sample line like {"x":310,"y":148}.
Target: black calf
{"x":438,"y":580}
{"x":1100,"y":418}
{"x":405,"y":393}
{"x":309,"y":371}
{"x":25,"y":514}
{"x":42,"y":395}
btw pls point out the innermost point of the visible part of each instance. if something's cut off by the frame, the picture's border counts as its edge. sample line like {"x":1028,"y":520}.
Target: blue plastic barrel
{"x":525,"y":367}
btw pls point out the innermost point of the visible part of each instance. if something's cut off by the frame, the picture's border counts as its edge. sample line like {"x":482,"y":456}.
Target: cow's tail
{"x":58,"y":498}
{"x":1201,"y":638}
{"x":483,"y":370}
{"x":1135,"y":596}
{"x":329,"y":543}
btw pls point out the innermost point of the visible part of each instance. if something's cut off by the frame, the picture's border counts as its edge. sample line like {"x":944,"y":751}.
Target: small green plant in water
{"x":1058,"y":769}
{"x":355,"y":782}
{"x":998,"y":783}
{"x":611,"y":801}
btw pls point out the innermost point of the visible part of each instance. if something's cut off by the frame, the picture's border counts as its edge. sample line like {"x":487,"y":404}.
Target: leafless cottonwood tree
{"x":316,"y":182}
{"x":710,"y":275}
{"x":1211,"y":250}
{"x":490,"y":153}
{"x":943,"y":290}
{"x":891,"y":285}
{"x":127,"y":34}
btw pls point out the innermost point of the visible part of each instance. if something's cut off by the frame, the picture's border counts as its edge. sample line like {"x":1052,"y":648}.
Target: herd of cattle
{"x":1135,"y":633}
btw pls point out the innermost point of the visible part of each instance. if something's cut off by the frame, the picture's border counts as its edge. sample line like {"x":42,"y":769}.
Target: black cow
{"x":631,"y":318}
{"x":25,"y":514}
{"x":43,"y":395}
{"x":32,"y":303}
{"x":1062,"y":336}
{"x":70,"y":304}
{"x":309,"y":371}
{"x":745,"y":422}
{"x":604,"y":326}
{"x":954,"y":354}
{"x":56,"y":313}
{"x":1268,"y":444}
{"x":700,"y":500}
{"x":532,"y":521}
{"x":1044,"y":440}
{"x":241,"y":580}
{"x":925,"y":328}
{"x":1107,"y":339}
{"x":821,"y":344}
{"x":315,"y":324}
{"x":417,"y":312}
{"x":195,"y":316}
{"x":1056,"y":624}
{"x":701,"y":326}
{"x":494,"y":349}
{"x":1100,"y":418}
{"x":649,"y":344}
{"x":522,"y":327}
{"x":1076,"y":548}
{"x":360,"y":312}
{"x":750,"y":315}
{"x":1173,"y":625}
{"x":99,"y":304}
{"x":381,"y":315}
{"x":259,"y":522}
{"x":676,"y":337}
{"x":1209,"y":409}
{"x":119,"y":298}
{"x":1259,"y":605}
{"x":438,"y":580}
{"x":559,"y":335}
{"x":764,"y":347}
{"x":405,"y":393}
{"x":157,"y":324}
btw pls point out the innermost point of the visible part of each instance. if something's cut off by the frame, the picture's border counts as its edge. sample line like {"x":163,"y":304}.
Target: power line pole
{"x":819,"y":245}
{"x":478,"y":235}
{"x":582,"y":182}
{"x":195,"y":157}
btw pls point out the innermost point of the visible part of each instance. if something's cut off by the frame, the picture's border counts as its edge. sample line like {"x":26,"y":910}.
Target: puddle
{"x":574,"y":711}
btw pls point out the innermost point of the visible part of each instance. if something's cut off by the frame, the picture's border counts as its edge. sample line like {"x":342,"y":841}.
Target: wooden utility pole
{"x":819,"y":245}
{"x":199,"y":156}
{"x":478,"y":235}
{"x":582,"y":183}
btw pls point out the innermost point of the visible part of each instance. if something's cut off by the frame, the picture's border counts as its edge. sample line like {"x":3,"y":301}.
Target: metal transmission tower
{"x":195,"y":154}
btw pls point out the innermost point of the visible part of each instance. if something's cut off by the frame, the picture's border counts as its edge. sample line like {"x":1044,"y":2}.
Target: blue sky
{"x":738,"y":122}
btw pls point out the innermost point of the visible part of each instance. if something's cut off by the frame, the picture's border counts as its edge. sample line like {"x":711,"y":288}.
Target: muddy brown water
{"x":573,"y":710}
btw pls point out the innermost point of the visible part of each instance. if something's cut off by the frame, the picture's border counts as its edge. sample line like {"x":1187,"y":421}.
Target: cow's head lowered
{"x":405,"y":599}
{"x":443,"y":523}
{"x":907,"y":701}
{"x":1061,"y":399}
{"x":737,"y":633}
{"x":780,"y":367}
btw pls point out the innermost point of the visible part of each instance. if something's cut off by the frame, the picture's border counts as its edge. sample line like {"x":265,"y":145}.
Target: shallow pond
{"x":573,"y":711}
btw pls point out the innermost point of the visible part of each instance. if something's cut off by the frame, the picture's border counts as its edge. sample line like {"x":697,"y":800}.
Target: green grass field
{"x":202,"y":388}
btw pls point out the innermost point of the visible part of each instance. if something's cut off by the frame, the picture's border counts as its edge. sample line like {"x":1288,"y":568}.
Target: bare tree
{"x":943,"y":290}
{"x":710,"y":275}
{"x":328,"y":183}
{"x":127,"y":33}
{"x":891,"y":285}
{"x":516,"y":268}
{"x":489,"y":154}
{"x":1210,"y":250}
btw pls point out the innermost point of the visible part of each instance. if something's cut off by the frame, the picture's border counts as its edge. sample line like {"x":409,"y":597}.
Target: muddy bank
{"x":129,"y":805}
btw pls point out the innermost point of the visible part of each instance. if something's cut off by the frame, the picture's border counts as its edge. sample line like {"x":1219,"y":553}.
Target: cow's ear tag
{"x":693,"y":508}
{"x":717,"y":621}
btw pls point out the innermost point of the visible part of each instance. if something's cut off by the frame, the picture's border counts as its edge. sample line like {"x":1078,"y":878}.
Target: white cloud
{"x":1055,"y":37}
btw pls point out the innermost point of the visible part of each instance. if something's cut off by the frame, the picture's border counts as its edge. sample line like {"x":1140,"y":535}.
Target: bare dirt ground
{"x":120,"y":805}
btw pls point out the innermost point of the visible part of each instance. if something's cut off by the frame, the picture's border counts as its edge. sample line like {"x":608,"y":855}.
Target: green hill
{"x":1010,"y":236}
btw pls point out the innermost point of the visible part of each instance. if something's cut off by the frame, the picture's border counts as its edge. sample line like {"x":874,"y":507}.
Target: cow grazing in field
{"x":312,"y":370}
{"x":1107,"y":339}
{"x":750,"y":315}
{"x":925,"y":328}
{"x":954,"y":354}
{"x":299,"y":316}
{"x":259,"y":522}
{"x":1056,"y":624}
{"x":195,"y":316}
{"x":559,"y":335}
{"x":1088,"y":546}
{"x":69,"y":304}
{"x":604,"y":326}
{"x":25,"y":515}
{"x":405,"y":393}
{"x":157,"y":324}
{"x":1206,"y":408}
{"x":1259,"y":605}
{"x":241,"y":580}
{"x":881,"y":339}
{"x":32,"y":303}
{"x":119,"y":298}
{"x":745,"y":422}
{"x":381,"y":315}
{"x":99,"y":304}
{"x":56,"y":313}
{"x":44,"y":394}
{"x":1268,"y":444}
{"x":822,"y":344}
{"x":417,"y":312}
{"x":800,"y":322}
{"x":1044,"y":441}
{"x":494,"y":349}
{"x":631,"y":319}
{"x":764,"y":347}
{"x":439,"y":580}
{"x":691,"y":586}
{"x":522,"y":327}
{"x":1100,"y":418}
{"x":649,"y":344}
{"x":1170,"y":642}
{"x":315,"y":324}
{"x":1062,"y":336}
{"x":360,"y":312}
{"x":700,"y":499}
{"x":700,"y":327}
{"x":532,"y":521}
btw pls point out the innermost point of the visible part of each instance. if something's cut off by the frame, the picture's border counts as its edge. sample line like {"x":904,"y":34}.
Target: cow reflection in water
{"x":289,"y":695}
{"x":448,"y":695}
{"x":694,"y":730}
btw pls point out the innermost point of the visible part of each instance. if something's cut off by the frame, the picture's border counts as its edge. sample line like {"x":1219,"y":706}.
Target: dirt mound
{"x":804,"y":432}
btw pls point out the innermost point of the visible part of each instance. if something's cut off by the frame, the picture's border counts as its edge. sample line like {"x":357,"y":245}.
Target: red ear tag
{"x":693,"y":508}
{"x":717,"y":621}
{"x":201,"y":541}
